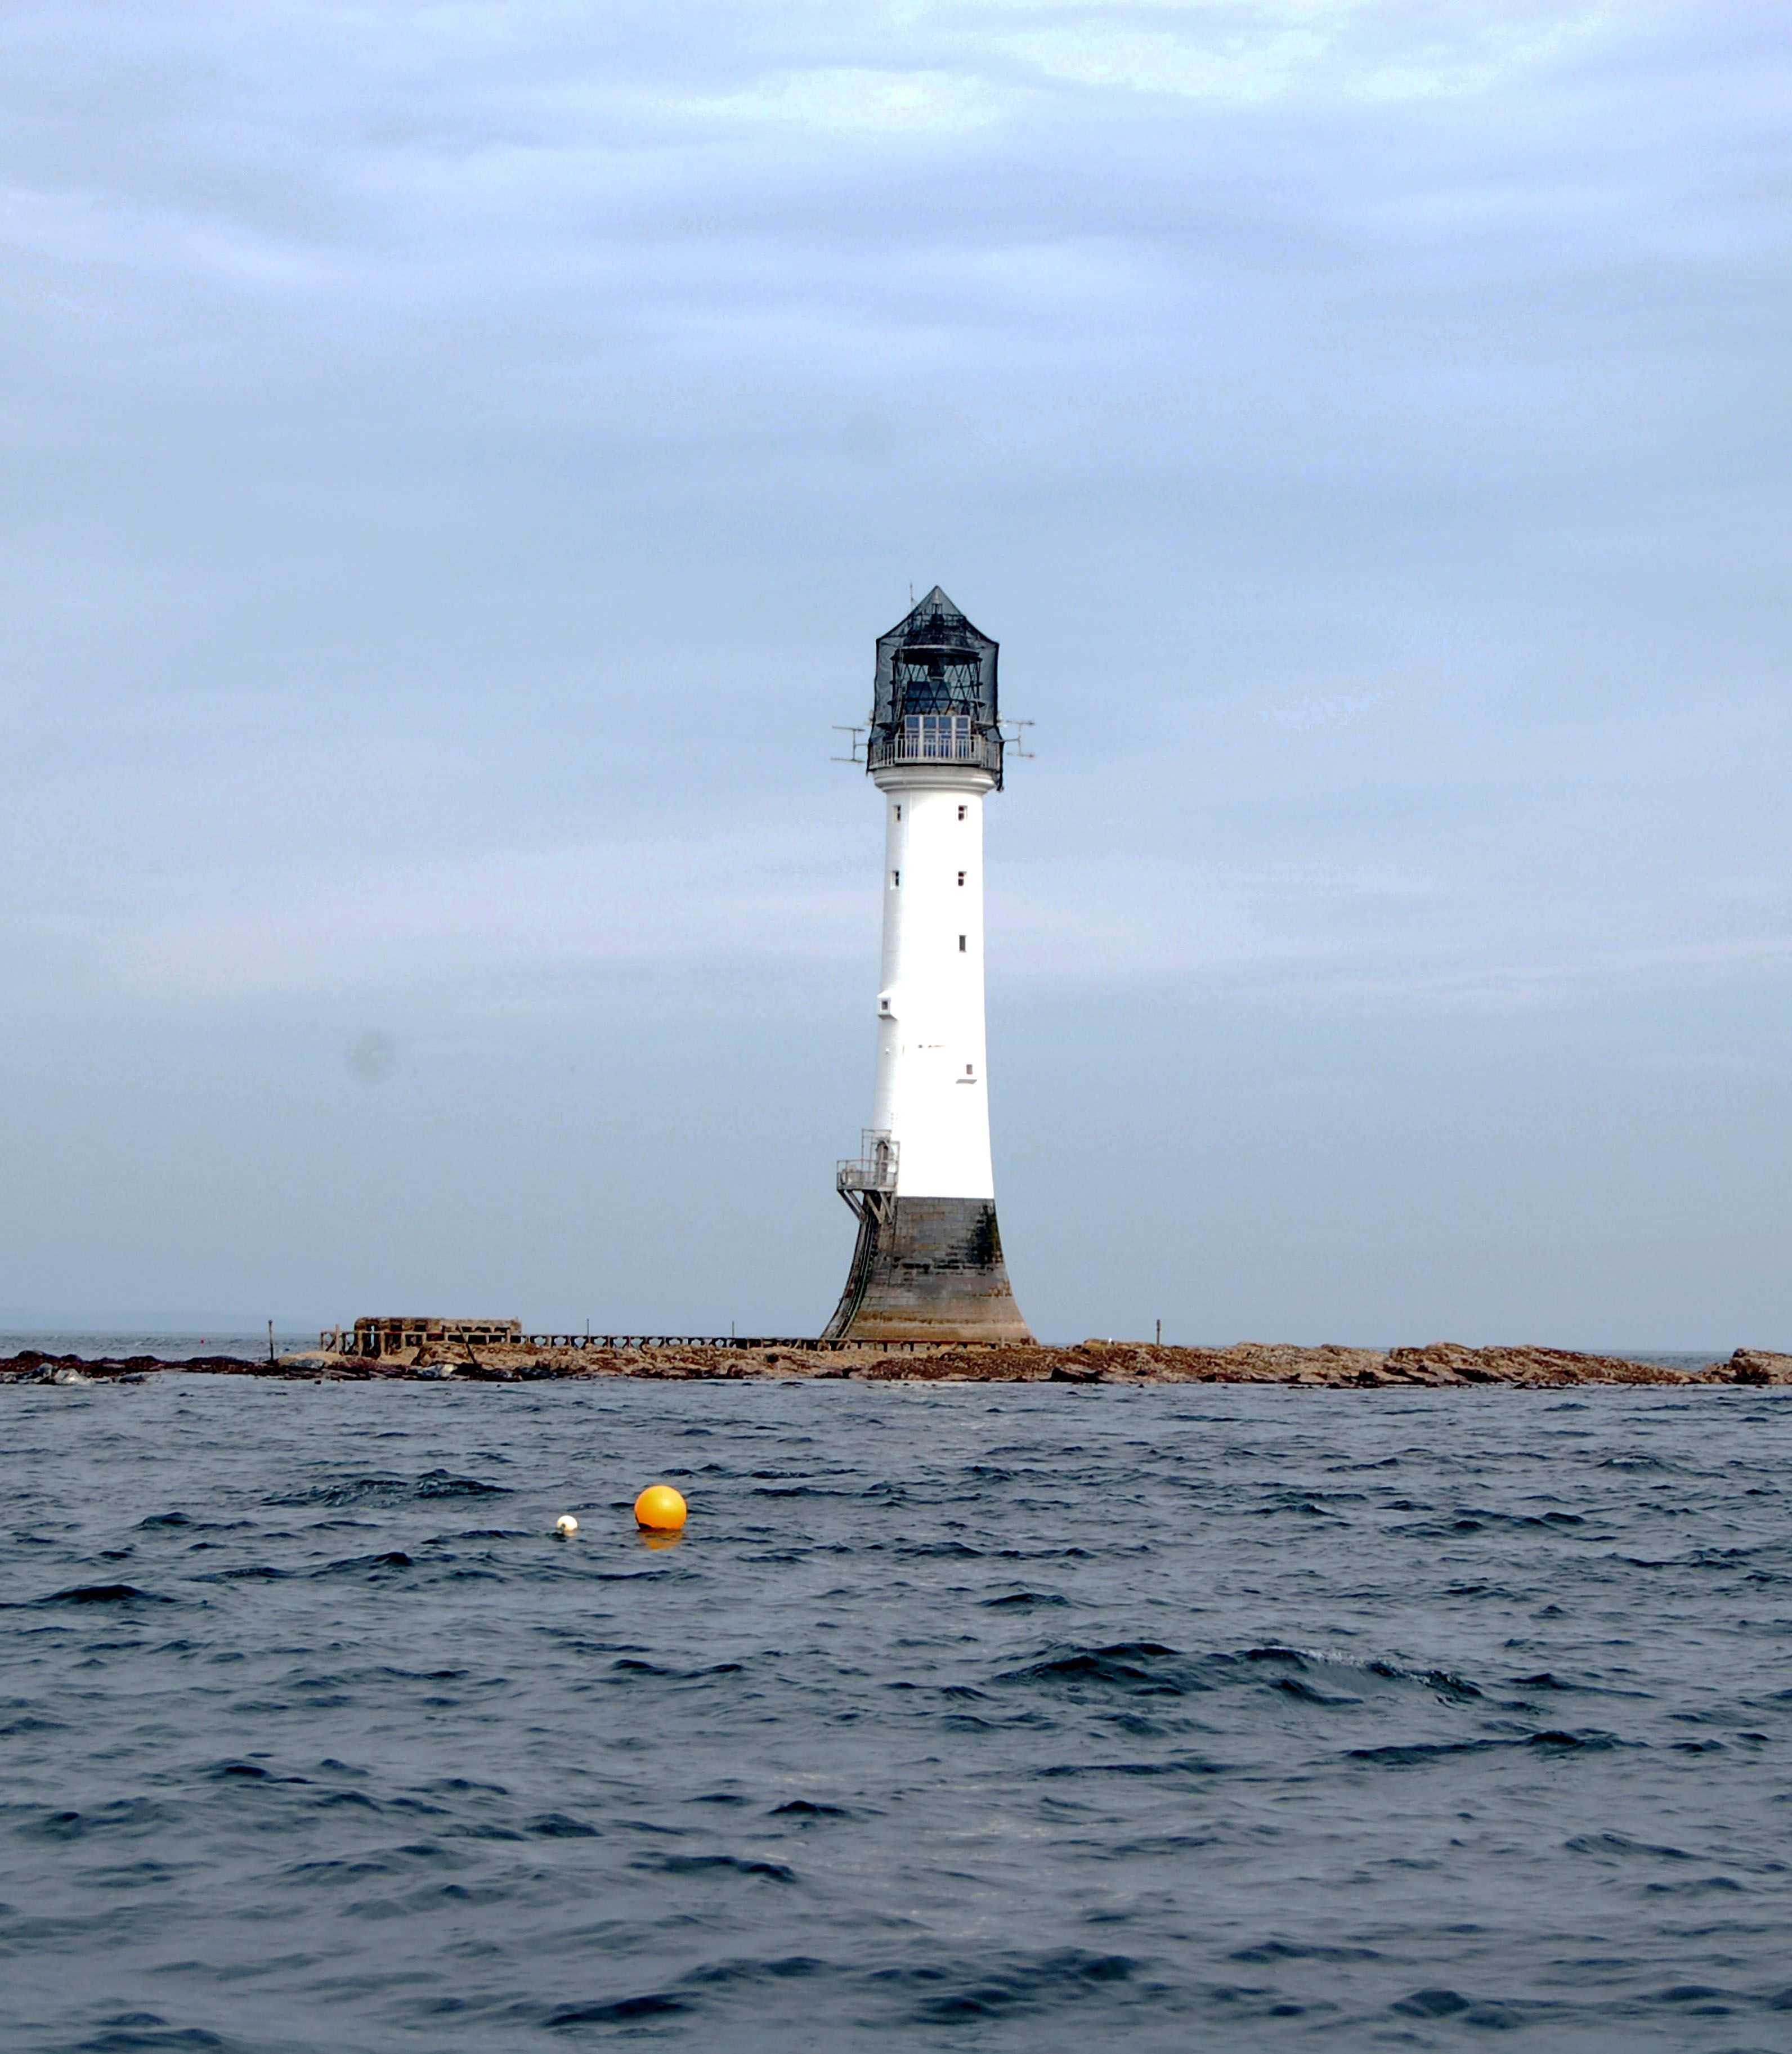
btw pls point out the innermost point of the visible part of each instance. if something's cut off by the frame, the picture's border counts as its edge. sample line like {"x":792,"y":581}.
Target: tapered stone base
{"x":927,"y":1269}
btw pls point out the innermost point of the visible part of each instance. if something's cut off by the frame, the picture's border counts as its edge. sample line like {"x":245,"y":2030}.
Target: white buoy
{"x":565,"y":1526}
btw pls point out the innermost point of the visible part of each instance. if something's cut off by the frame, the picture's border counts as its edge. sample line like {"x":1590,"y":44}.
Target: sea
{"x":959,"y":1716}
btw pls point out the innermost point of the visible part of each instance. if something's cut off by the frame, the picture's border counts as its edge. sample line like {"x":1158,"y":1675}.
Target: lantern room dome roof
{"x":936,"y":633}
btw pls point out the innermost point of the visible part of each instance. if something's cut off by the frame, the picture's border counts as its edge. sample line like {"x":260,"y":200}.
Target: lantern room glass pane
{"x":938,"y":738}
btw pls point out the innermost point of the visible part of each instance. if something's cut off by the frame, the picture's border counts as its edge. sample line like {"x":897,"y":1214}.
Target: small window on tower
{"x":963,"y":811}
{"x":961,"y":877}
{"x":968,"y":1071}
{"x":898,"y":812}
{"x":895,"y":876}
{"x":961,"y":945}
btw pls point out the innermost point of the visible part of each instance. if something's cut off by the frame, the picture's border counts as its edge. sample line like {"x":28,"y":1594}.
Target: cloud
{"x":654,"y":895}
{"x":847,"y":101}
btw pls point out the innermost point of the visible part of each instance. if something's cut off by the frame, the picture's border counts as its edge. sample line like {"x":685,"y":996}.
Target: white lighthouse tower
{"x":928,"y":1263}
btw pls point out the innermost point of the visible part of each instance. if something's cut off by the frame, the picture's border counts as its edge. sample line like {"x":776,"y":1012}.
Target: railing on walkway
{"x":935,"y":739}
{"x":873,"y":1169}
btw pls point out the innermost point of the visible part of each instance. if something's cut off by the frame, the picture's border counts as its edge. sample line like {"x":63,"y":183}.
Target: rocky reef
{"x":1440,"y":1365}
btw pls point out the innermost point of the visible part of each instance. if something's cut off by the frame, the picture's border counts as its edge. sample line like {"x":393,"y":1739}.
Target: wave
{"x":103,"y":1593}
{"x":392,"y":1490}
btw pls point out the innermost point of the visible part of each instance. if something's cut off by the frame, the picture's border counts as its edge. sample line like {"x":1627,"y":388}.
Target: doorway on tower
{"x":872,"y":1174}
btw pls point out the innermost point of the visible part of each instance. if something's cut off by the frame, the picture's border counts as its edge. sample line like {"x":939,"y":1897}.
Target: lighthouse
{"x":927,"y":1264}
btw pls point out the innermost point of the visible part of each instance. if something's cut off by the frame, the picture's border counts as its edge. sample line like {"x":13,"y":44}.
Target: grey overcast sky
{"x":458,"y":456}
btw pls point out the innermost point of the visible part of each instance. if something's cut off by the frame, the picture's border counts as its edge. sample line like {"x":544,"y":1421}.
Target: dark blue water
{"x":1012,"y":1718}
{"x":121,"y":1345}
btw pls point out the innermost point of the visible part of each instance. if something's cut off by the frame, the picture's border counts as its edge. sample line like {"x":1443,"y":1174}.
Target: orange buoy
{"x":659,"y":1509}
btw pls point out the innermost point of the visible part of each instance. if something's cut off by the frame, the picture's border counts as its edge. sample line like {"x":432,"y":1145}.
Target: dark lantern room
{"x":934,"y":701}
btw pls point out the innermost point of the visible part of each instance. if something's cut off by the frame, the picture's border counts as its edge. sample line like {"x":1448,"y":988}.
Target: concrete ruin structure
{"x":394,"y":1336}
{"x":927,"y":1264}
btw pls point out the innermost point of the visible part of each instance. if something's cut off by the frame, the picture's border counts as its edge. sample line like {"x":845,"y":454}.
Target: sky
{"x":458,"y":457}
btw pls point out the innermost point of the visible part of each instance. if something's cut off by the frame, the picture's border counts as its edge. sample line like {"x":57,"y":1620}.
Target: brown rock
{"x":1753,"y":1366}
